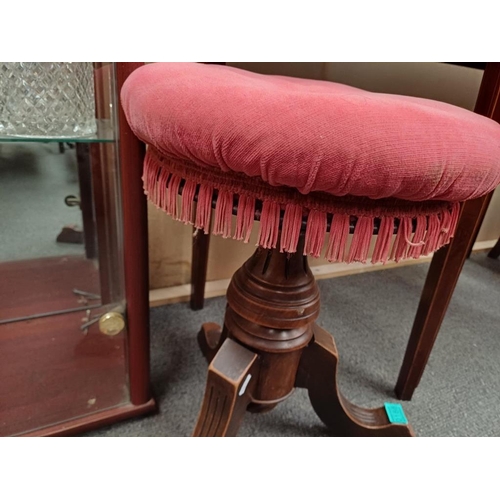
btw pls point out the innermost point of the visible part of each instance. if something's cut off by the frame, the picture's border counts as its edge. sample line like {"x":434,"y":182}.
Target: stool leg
{"x":439,"y":285}
{"x":231,"y":377}
{"x":481,"y":216}
{"x":318,"y":373}
{"x":199,"y":264}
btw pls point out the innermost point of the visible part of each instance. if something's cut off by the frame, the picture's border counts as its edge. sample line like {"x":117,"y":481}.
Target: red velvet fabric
{"x":313,"y":135}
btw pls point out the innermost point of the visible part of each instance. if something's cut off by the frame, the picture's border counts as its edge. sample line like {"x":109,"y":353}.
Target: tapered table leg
{"x":441,"y":280}
{"x":199,"y":264}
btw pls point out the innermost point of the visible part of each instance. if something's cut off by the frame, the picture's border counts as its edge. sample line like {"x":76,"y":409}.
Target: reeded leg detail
{"x":318,"y":373}
{"x":231,"y":377}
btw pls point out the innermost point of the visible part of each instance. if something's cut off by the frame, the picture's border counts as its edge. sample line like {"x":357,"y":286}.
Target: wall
{"x":170,"y":242}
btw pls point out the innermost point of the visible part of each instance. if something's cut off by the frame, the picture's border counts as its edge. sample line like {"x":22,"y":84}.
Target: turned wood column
{"x":273,"y":300}
{"x":269,"y":345}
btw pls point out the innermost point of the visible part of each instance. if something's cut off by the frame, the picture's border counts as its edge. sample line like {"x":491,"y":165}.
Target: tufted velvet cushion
{"x":313,"y":135}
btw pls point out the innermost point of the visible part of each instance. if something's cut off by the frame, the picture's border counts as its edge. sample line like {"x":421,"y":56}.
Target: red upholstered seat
{"x":303,"y":147}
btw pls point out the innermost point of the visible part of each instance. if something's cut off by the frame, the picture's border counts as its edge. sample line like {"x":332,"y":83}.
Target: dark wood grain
{"x":488,"y":105}
{"x":87,"y":423}
{"x":224,"y":404}
{"x":448,"y":262}
{"x":480,"y":220}
{"x":199,"y":265}
{"x":272,"y":301}
{"x":51,"y":373}
{"x":36,"y":286}
{"x":135,"y":246}
{"x":270,"y":340}
{"x":438,"y":289}
{"x":318,"y":374}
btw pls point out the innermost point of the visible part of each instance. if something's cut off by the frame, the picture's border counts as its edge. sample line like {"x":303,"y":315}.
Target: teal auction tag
{"x":395,"y":413}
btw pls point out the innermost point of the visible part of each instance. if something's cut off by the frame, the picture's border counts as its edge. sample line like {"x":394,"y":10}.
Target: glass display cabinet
{"x":74,"y":342}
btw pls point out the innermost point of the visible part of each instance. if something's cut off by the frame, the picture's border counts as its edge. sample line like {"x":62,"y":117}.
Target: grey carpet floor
{"x":370,"y":316}
{"x":34,"y":180}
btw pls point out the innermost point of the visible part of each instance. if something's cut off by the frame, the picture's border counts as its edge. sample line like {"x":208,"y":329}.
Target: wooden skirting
{"x":217,"y":288}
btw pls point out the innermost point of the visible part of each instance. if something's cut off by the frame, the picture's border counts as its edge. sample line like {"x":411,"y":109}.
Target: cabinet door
{"x":61,"y":271}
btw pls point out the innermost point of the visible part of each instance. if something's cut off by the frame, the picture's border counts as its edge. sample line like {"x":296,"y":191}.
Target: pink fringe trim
{"x":244,"y":218}
{"x":187,"y":204}
{"x":269,"y":225}
{"x":384,"y":239}
{"x":204,"y":208}
{"x":432,"y":234}
{"x":417,"y":234}
{"x":361,"y":239}
{"x":315,"y":233}
{"x":292,"y":222}
{"x":418,"y":241}
{"x":160,"y":190}
{"x":402,"y":242}
{"x":171,"y":205}
{"x":223,"y":214}
{"x":339,"y":232}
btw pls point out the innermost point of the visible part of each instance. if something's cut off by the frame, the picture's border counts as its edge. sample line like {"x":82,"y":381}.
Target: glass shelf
{"x":105,"y":133}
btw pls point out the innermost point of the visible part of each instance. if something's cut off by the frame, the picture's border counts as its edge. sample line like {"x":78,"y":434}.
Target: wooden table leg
{"x":482,"y":214}
{"x":199,"y":264}
{"x":441,"y":280}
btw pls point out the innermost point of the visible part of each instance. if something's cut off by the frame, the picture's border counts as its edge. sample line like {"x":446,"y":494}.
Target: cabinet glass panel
{"x":61,"y":270}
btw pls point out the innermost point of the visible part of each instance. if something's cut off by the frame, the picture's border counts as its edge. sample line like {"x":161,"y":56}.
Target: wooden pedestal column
{"x":269,"y":345}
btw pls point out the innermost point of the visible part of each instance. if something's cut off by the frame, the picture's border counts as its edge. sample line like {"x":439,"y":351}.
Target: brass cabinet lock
{"x":111,"y":323}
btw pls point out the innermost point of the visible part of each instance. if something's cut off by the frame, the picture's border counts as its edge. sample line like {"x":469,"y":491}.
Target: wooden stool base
{"x":269,"y":345}
{"x":233,"y":374}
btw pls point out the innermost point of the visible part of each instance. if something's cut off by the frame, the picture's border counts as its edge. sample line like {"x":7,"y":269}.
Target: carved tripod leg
{"x":318,"y":373}
{"x":231,"y":377}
